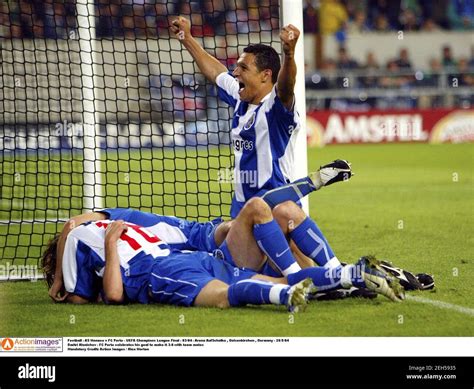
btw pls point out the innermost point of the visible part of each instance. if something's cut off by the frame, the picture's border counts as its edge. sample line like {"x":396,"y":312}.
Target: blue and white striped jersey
{"x":84,"y":256}
{"x":263,"y":141}
{"x":84,"y":259}
{"x":180,"y":234}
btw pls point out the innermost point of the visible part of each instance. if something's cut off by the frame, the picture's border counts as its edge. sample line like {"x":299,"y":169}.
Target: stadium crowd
{"x":54,"y":19}
{"x":359,"y":16}
{"x":144,"y":18}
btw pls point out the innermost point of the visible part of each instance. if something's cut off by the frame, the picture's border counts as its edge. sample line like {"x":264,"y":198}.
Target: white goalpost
{"x":93,"y":194}
{"x":291,"y":12}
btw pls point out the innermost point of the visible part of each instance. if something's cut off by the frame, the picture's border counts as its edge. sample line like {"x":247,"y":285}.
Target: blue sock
{"x":328,"y":279}
{"x":268,"y":270}
{"x":256,"y":292}
{"x":272,"y":241}
{"x":312,"y":243}
{"x":323,"y":279}
{"x":294,"y":191}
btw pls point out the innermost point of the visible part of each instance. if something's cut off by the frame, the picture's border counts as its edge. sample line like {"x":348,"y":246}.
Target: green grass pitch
{"x":412,"y":204}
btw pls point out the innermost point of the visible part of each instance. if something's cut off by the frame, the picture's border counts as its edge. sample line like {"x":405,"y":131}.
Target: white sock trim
{"x":294,"y":268}
{"x":332,"y":263}
{"x":316,"y":178}
{"x":275,"y":293}
{"x":346,"y":272}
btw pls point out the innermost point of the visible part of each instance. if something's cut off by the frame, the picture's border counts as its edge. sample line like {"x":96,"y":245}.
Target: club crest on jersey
{"x":250,"y":122}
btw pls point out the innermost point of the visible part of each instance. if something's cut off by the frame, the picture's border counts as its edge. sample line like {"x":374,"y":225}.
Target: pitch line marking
{"x":442,"y":304}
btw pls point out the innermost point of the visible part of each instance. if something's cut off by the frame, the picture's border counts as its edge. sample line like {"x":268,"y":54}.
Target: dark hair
{"x":266,"y":57}
{"x":48,"y":261}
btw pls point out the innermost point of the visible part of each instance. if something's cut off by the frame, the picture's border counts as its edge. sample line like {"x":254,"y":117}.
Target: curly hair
{"x":48,"y":261}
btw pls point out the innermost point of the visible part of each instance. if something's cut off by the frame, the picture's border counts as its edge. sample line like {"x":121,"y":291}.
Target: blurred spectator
{"x":408,"y":20}
{"x":430,"y":26}
{"x":310,"y":17}
{"x":344,"y":61}
{"x":381,"y":24}
{"x":471,"y":61}
{"x":465,"y":75}
{"x":403,"y":60}
{"x":461,"y":14}
{"x":371,"y":66}
{"x":447,"y":58}
{"x":431,"y":77}
{"x":370,"y":62}
{"x":358,"y":24}
{"x":214,"y":11}
{"x":465,"y":78}
{"x":332,"y":16}
{"x":394,"y":79}
{"x":436,"y":10}
{"x":390,"y":9}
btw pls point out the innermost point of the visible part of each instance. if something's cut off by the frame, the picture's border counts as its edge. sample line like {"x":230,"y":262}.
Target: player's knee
{"x":257,"y":208}
{"x":288,"y":212}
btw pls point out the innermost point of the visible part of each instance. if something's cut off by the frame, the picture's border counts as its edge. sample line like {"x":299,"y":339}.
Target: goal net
{"x":101,"y":107}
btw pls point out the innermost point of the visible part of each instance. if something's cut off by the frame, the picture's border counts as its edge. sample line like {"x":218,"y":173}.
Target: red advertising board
{"x":434,"y":125}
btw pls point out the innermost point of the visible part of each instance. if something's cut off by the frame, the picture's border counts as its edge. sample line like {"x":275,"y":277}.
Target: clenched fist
{"x":181,"y":27}
{"x":289,"y":36}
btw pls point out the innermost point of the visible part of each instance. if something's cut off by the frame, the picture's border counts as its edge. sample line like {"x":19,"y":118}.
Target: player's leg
{"x":220,"y":295}
{"x":366,"y":273}
{"x":306,"y":234}
{"x":214,"y":294}
{"x":246,"y":287}
{"x":336,"y":171}
{"x":253,"y":231}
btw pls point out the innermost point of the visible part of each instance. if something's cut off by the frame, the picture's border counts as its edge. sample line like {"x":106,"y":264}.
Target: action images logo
{"x":7,"y":344}
{"x":31,"y":344}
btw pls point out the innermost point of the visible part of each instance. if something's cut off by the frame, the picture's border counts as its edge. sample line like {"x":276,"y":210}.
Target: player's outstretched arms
{"x":208,"y":65}
{"x":113,"y":284}
{"x":287,"y":75}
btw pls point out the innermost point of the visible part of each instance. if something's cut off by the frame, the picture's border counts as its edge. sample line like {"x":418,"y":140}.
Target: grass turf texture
{"x":412,"y":204}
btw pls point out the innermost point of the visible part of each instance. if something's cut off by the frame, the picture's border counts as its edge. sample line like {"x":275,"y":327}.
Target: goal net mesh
{"x":100,"y":107}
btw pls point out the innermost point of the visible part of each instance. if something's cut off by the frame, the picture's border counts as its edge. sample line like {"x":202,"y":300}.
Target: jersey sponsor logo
{"x":251,"y":121}
{"x":240,"y":144}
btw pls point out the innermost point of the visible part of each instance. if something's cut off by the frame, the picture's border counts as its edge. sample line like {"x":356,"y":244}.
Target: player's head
{"x":48,"y":261}
{"x":257,"y":71}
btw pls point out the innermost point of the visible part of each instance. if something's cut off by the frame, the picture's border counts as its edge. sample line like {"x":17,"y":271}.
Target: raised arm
{"x":57,"y":287}
{"x":287,"y":75}
{"x":208,"y":65}
{"x":113,"y":284}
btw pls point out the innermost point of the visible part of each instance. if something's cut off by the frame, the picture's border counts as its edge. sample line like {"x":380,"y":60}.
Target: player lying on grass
{"x":256,"y":214}
{"x":124,"y":262}
{"x":241,"y":237}
{"x":187,"y":235}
